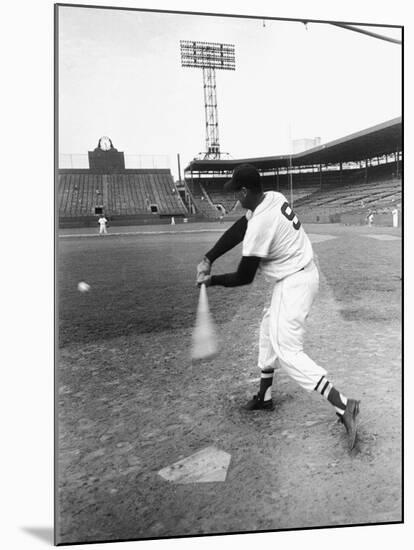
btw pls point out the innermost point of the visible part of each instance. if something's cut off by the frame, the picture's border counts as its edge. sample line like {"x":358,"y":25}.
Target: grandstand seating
{"x":329,"y":204}
{"x":226,"y":200}
{"x":168,"y":195}
{"x":79,"y":194}
{"x":320,"y":197}
{"x":146,"y":194}
{"x":213,"y":189}
{"x":201,"y":200}
{"x":130,"y":193}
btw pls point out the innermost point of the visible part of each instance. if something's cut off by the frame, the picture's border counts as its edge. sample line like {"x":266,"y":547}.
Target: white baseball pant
{"x":283,"y":328}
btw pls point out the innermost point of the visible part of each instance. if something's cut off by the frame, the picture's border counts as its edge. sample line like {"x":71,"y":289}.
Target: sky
{"x":120,"y":75}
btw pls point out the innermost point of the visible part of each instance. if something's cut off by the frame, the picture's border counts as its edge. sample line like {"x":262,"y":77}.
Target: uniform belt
{"x":278,"y":280}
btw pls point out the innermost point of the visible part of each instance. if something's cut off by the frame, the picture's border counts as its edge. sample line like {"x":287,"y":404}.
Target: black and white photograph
{"x":229,"y":206}
{"x":228,"y":216}
{"x":205,"y":274}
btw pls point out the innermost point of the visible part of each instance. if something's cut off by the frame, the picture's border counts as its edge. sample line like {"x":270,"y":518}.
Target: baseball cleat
{"x":349,"y":421}
{"x":257,"y":403}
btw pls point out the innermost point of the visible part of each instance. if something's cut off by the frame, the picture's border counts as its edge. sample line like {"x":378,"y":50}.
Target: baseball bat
{"x":204,"y":339}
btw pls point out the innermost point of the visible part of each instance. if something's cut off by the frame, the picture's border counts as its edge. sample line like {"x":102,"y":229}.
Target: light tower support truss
{"x":210,"y":105}
{"x":209,"y":56}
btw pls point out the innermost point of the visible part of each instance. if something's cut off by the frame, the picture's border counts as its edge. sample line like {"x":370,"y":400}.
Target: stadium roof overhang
{"x":384,"y":138}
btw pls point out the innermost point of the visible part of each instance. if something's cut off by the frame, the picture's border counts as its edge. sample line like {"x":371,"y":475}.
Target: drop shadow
{"x":43,"y":533}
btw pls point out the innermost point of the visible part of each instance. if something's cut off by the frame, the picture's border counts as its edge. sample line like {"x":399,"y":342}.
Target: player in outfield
{"x":275,"y":244}
{"x":102,"y":225}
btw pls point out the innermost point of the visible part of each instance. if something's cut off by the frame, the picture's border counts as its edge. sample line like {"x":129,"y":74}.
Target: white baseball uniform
{"x":395,"y":217}
{"x":275,"y":235}
{"x":102,"y":225}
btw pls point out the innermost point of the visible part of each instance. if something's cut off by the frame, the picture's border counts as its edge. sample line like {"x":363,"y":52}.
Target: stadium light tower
{"x":209,"y":56}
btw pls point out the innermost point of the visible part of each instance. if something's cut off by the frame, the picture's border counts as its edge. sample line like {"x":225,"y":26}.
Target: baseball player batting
{"x":275,"y":243}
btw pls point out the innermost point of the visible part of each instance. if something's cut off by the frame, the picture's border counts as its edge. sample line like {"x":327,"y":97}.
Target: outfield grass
{"x":139,"y":284}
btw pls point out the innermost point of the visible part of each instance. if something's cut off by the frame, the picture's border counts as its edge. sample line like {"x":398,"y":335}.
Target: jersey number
{"x":290,"y":215}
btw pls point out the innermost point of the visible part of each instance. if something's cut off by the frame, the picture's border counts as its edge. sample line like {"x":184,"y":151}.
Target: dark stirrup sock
{"x":327,"y":390}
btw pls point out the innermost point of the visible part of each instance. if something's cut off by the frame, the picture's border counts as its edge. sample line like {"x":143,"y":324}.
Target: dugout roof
{"x":384,"y":138}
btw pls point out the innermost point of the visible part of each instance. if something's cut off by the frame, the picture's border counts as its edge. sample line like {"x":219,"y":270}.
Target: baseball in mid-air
{"x":83,"y":287}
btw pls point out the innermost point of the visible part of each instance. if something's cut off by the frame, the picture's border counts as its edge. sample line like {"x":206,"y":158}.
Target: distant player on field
{"x":275,"y":243}
{"x":395,"y":217}
{"x":102,"y":225}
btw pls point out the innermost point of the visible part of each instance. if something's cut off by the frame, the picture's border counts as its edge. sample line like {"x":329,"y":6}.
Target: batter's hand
{"x":203,"y":279}
{"x":204,"y":267}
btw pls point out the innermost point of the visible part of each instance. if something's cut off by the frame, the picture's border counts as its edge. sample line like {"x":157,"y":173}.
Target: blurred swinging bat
{"x":204,"y":339}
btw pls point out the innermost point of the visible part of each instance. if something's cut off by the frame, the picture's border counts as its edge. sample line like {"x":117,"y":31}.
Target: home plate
{"x":209,"y":464}
{"x":316,"y":238}
{"x":383,"y":237}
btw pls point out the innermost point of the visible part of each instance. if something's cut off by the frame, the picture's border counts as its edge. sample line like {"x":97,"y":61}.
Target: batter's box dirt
{"x":234,"y":408}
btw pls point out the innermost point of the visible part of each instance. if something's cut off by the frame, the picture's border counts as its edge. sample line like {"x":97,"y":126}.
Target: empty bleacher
{"x":358,"y":198}
{"x":226,"y":200}
{"x":201,"y":200}
{"x":79,"y":193}
{"x":353,"y":196}
{"x":128,"y":194}
{"x":317,"y":196}
{"x":167,"y":195}
{"x":213,"y":188}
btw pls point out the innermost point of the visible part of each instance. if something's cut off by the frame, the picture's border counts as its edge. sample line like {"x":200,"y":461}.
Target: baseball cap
{"x":244,"y":175}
